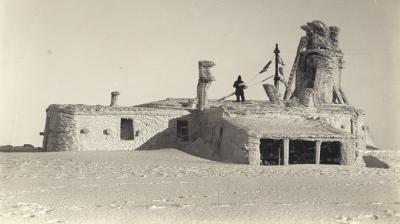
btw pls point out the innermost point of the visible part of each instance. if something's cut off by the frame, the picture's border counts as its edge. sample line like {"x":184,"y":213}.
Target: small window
{"x":182,"y":128}
{"x":271,"y":151}
{"x":127,"y":132}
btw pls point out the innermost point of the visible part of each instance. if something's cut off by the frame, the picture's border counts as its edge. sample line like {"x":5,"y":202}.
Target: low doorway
{"x":127,"y":129}
{"x":182,"y":129}
{"x":271,"y":152}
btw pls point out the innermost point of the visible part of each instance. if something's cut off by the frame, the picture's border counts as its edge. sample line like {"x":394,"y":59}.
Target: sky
{"x":78,"y":51}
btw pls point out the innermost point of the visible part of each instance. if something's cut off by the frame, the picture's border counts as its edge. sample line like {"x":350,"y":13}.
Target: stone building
{"x":311,"y":124}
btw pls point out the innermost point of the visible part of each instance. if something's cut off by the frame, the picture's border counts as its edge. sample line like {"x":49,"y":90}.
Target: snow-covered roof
{"x":251,"y":106}
{"x":101,"y":109}
{"x":280,"y":126}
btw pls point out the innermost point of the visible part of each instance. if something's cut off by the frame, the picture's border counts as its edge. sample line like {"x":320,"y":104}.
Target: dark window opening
{"x":271,"y":152}
{"x":330,"y":153}
{"x":182,"y":128}
{"x":301,"y":152}
{"x":127,"y":132}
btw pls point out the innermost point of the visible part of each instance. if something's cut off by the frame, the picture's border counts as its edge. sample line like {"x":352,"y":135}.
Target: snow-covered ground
{"x":169,"y":186}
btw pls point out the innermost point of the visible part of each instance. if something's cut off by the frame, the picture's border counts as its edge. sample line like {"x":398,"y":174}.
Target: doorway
{"x":182,"y":129}
{"x":127,"y":129}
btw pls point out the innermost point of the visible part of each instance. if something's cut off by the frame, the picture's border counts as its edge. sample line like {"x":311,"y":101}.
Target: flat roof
{"x":229,"y":106}
{"x":286,"y":126}
{"x":252,"y":106}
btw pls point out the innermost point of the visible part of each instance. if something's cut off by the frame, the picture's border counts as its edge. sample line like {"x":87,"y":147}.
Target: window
{"x":182,"y":128}
{"x":330,"y":153}
{"x":271,"y":152}
{"x":127,"y":132}
{"x":302,"y":152}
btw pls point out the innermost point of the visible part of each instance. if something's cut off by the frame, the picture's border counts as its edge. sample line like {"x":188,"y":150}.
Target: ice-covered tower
{"x":319,"y":66}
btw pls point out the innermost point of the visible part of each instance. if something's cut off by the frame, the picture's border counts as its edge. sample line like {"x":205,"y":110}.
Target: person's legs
{"x":237,"y":98}
{"x":242,"y":96}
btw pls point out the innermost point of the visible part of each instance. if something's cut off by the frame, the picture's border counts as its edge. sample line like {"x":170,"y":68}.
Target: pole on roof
{"x":276,"y":78}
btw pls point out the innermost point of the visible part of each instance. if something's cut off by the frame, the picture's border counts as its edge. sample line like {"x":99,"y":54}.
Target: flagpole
{"x":276,"y":78}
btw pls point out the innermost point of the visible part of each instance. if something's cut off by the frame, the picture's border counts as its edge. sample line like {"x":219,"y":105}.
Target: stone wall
{"x":101,"y":131}
{"x":348,"y":153}
{"x":214,"y":138}
{"x":210,"y":122}
{"x":59,"y":134}
{"x":339,"y":121}
{"x":351,"y":123}
{"x":234,"y":145}
{"x":207,"y":130}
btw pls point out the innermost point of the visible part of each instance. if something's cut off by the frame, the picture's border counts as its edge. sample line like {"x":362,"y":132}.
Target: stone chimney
{"x":114,"y":98}
{"x":205,"y":79}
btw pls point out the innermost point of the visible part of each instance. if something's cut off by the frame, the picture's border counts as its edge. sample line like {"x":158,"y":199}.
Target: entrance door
{"x":182,"y":129}
{"x":271,"y":152}
{"x":127,"y":129}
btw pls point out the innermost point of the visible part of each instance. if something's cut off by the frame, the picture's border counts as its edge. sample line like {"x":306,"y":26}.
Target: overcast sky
{"x":78,"y":51}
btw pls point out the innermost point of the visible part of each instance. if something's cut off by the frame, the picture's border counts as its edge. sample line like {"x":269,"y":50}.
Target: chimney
{"x":114,"y":98}
{"x":205,"y":79}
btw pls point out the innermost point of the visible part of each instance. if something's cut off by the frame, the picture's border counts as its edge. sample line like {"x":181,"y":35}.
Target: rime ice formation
{"x":205,"y":79}
{"x":319,"y":65}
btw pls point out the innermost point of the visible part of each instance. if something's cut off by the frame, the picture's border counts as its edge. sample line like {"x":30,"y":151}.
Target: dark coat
{"x":239,"y":85}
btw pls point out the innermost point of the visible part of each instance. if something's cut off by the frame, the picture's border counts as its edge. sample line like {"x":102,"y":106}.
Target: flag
{"x":280,"y":70}
{"x":265,"y":67}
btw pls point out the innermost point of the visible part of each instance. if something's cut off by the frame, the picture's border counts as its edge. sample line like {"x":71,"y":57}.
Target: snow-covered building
{"x":312,"y":124}
{"x":253,"y":132}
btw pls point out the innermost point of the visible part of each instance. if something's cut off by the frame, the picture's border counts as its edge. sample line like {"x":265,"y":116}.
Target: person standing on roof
{"x":240,"y":86}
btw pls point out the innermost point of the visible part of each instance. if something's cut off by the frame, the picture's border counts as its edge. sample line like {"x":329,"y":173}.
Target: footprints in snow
{"x":363,"y":217}
{"x":26,"y":210}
